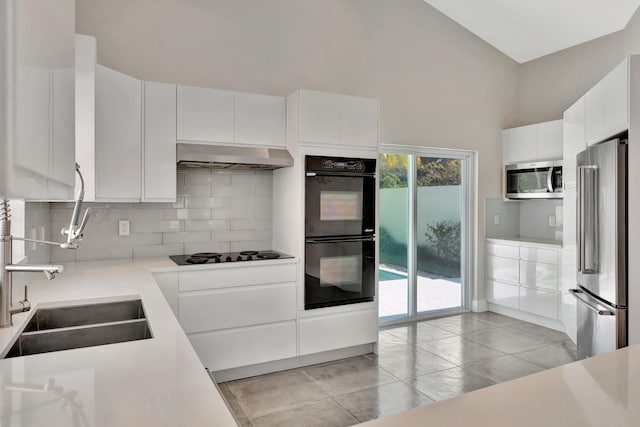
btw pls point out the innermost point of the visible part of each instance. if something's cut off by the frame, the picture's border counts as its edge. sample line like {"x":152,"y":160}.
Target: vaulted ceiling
{"x":528,"y":29}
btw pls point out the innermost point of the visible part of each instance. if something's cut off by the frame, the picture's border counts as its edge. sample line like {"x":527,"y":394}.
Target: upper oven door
{"x":339,"y":205}
{"x":542,"y":180}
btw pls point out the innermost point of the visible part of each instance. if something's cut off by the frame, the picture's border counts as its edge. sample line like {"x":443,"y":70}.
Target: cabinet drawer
{"x":506,"y":251}
{"x":550,"y":256}
{"x":538,"y":275}
{"x":236,"y":276}
{"x":233,"y":307}
{"x":233,"y":348}
{"x":542,"y":303}
{"x":335,"y":331}
{"x":504,"y":294}
{"x":503,"y":269}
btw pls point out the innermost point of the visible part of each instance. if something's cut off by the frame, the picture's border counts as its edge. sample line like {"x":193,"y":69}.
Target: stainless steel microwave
{"x":537,"y":180}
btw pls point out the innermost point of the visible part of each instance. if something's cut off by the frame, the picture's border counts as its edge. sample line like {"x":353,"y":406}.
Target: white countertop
{"x":152,"y":382}
{"x":600,"y":391}
{"x":557,"y":244}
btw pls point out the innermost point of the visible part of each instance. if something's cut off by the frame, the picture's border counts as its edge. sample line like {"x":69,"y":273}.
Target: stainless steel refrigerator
{"x":602,"y":248}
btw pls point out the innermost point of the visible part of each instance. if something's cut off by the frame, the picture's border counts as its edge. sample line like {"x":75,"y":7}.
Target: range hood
{"x":231,"y":157}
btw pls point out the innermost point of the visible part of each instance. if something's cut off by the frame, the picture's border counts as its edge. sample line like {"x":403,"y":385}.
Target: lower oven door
{"x":339,"y":271}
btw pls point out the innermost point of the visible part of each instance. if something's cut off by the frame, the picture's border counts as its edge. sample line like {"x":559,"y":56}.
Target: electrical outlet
{"x":552,"y":221}
{"x":496,"y":220}
{"x":123,"y":228}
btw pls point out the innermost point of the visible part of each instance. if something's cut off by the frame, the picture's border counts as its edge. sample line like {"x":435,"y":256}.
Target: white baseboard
{"x":478,"y":305}
{"x":528,"y":317}
{"x":295,"y":362}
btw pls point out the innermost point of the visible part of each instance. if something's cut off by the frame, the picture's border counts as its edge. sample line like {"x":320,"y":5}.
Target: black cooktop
{"x":219,"y":258}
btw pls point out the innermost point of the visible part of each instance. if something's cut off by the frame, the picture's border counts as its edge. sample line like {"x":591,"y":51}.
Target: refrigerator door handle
{"x":577,"y":293}
{"x":587,"y":222}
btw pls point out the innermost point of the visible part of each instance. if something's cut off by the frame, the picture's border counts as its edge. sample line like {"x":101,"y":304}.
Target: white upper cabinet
{"x":159,"y":184}
{"x":212,"y":116}
{"x":329,"y":118}
{"x":319,"y":117}
{"x":574,"y":141}
{"x":259,"y":120}
{"x":607,"y":105}
{"x":531,"y":143}
{"x":37,"y":93}
{"x":205,"y":115}
{"x":519,"y":144}
{"x":118,"y":137}
{"x":359,"y":121}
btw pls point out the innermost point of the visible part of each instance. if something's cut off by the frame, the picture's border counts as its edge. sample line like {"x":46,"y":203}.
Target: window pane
{"x":393,"y":284}
{"x":439,"y":218}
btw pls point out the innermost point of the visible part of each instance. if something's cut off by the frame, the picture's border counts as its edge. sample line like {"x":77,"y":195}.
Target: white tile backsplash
{"x":215,"y":210}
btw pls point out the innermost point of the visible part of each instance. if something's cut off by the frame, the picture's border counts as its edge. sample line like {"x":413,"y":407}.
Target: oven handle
{"x":341,"y":240}
{"x":348,"y":174}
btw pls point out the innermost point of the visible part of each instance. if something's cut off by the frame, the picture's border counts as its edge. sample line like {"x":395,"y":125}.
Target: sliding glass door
{"x":424,"y":211}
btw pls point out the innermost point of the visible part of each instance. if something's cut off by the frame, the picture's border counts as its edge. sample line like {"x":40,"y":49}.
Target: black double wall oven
{"x":339,"y":231}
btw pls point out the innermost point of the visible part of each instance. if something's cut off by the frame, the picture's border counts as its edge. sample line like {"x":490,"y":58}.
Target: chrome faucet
{"x":73,"y":233}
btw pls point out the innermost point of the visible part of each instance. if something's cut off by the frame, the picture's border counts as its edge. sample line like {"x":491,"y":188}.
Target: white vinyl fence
{"x":442,"y":203}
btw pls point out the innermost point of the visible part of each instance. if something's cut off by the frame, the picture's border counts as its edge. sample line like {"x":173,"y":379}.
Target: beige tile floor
{"x":416,"y":365}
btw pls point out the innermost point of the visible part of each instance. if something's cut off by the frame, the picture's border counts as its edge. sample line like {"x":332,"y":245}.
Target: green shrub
{"x":444,"y":237}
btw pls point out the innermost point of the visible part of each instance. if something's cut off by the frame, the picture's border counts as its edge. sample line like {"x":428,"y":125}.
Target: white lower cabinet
{"x":235,"y":307}
{"x":539,"y":275}
{"x":504,"y":294}
{"x":330,"y":332}
{"x":537,"y":301}
{"x":239,"y":315}
{"x":233,"y":348}
{"x":529,"y":283}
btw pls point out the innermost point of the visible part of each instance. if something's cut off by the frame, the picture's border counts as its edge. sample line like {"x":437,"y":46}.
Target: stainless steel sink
{"x":88,"y":314}
{"x":65,"y":328}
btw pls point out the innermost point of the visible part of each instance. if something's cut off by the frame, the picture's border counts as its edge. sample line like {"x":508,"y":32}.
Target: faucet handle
{"x":26,"y":293}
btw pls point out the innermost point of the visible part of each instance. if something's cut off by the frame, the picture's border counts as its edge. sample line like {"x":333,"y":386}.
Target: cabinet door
{"x":539,"y":275}
{"x":235,"y":307}
{"x":542,"y":303}
{"x":118,"y":135}
{"x":359,"y":121}
{"x":504,"y":294}
{"x":615,"y":99}
{"x":503,"y":269}
{"x":237,"y":347}
{"x":320,"y":117}
{"x":205,"y":115}
{"x":520,"y":144}
{"x":33,"y":119}
{"x":595,"y":113}
{"x":324,"y":333}
{"x":63,"y":122}
{"x":549,"y":140}
{"x":574,"y":141}
{"x":259,"y":120}
{"x":159,"y":142}
{"x":37,"y":39}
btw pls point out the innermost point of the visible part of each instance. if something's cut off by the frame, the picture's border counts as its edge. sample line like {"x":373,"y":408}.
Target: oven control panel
{"x":339,"y":164}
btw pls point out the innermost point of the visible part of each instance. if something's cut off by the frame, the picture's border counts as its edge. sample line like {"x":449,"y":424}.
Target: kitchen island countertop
{"x":152,"y":382}
{"x":600,"y":391}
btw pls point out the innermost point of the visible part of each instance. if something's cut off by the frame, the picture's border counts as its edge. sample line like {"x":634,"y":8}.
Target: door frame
{"x":467,"y":230}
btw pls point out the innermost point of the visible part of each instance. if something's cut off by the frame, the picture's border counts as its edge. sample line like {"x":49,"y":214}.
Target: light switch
{"x":496,"y":220}
{"x":552,"y":221}
{"x":123,"y":227}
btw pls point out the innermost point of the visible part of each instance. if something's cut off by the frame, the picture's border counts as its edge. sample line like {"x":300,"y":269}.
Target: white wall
{"x":438,"y":84}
